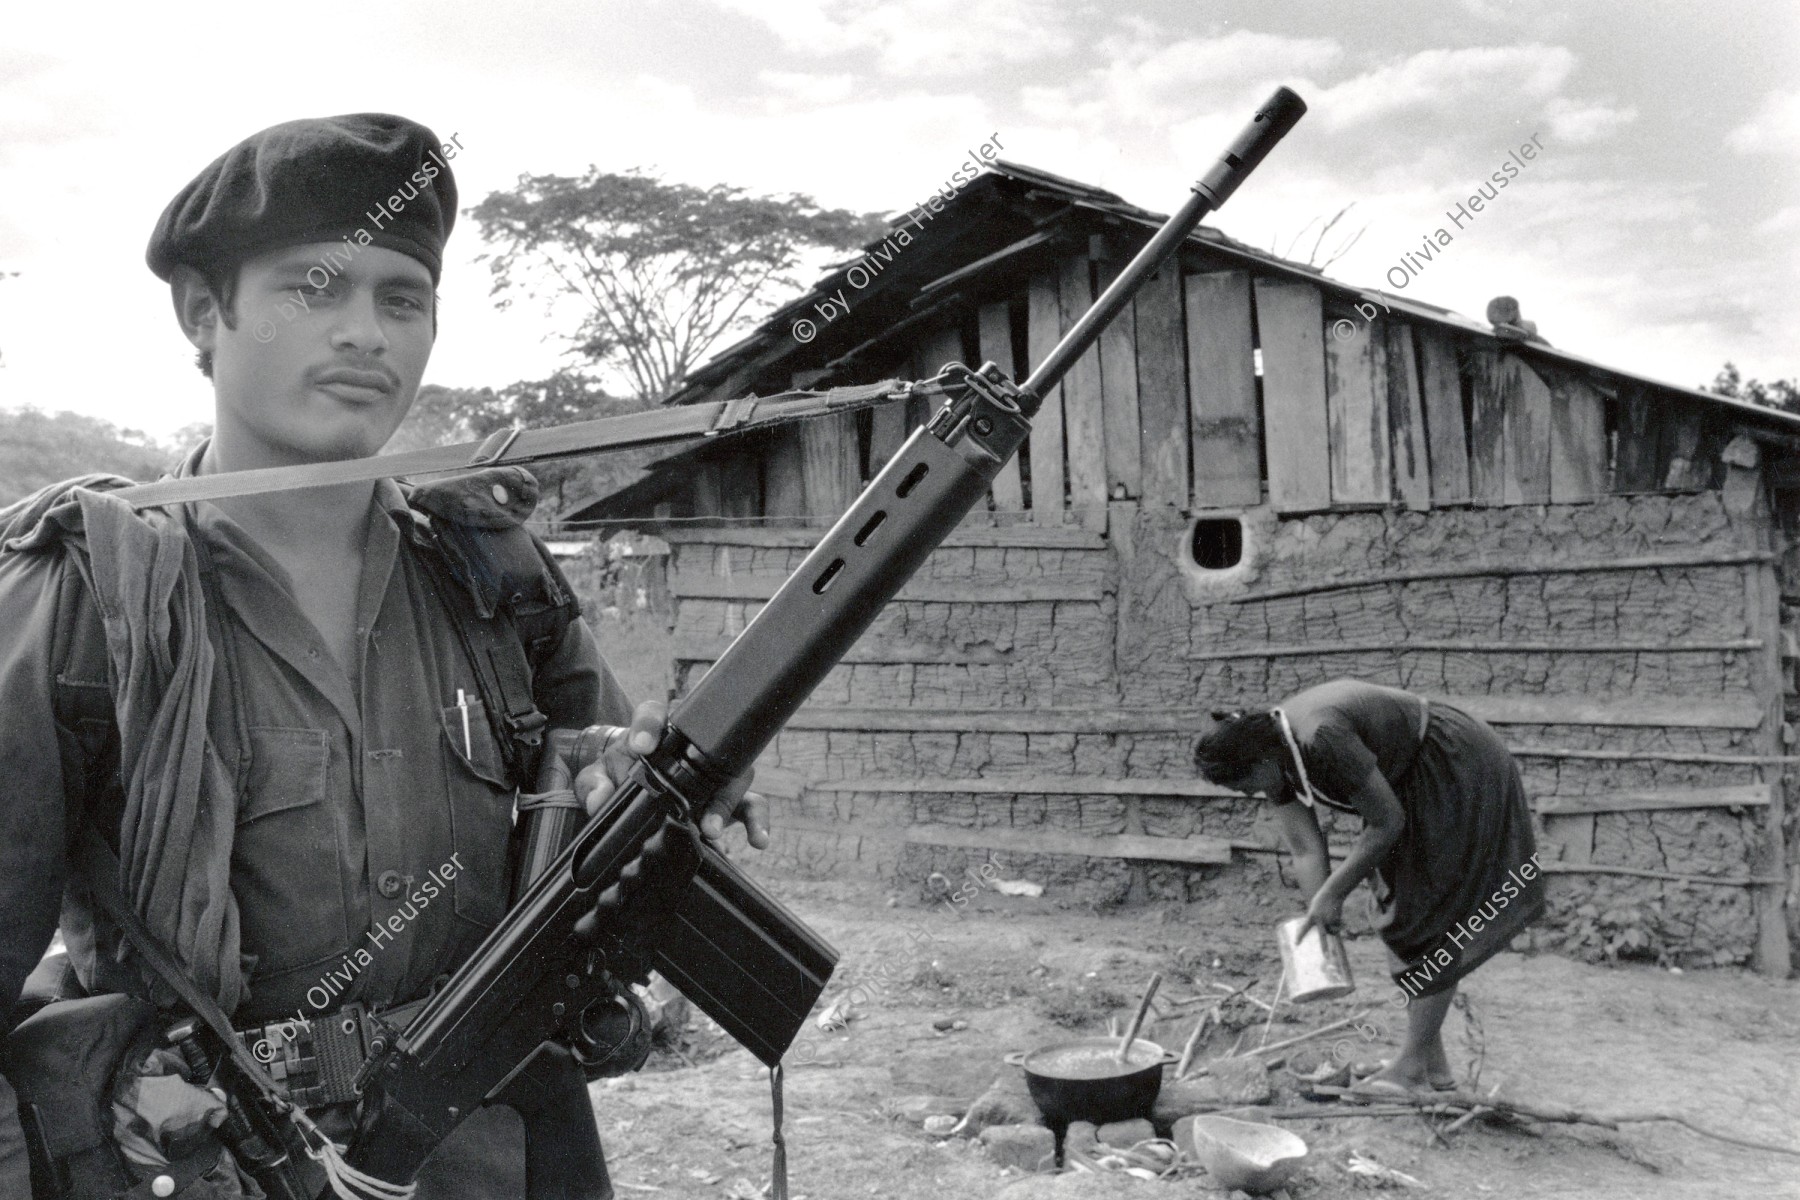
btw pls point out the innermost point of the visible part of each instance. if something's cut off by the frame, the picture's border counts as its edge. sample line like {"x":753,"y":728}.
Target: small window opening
{"x":1218,"y":543}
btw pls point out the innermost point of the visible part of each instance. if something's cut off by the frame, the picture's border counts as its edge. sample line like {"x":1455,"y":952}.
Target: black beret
{"x":377,"y":179}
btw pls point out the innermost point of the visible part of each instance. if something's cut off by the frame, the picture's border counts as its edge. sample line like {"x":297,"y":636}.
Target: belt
{"x":314,"y":1061}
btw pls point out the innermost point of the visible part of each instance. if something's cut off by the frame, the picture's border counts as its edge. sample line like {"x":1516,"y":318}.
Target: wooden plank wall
{"x":1356,"y":404}
{"x":1162,"y":389}
{"x":1289,"y":319}
{"x":1227,"y":451}
{"x":1119,"y":400}
{"x":1008,"y":492}
{"x":1221,"y":390}
{"x":1083,"y":417}
{"x":1049,"y":476}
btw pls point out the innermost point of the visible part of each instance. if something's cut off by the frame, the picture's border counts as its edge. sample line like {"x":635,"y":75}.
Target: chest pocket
{"x":288,"y":861}
{"x":481,"y":813}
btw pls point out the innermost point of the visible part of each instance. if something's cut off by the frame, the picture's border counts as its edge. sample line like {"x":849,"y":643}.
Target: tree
{"x":1777,"y":393}
{"x":39,"y":448}
{"x":664,"y":270}
{"x":1312,"y":255}
{"x":442,"y":416}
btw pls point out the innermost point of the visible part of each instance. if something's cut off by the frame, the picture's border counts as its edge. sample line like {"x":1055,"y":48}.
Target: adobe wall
{"x":1128,"y":643}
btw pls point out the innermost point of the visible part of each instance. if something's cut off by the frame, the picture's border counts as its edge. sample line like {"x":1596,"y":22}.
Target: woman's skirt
{"x":1464,"y":877}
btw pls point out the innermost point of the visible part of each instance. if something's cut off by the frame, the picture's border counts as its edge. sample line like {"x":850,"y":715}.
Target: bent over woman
{"x":1446,"y":838}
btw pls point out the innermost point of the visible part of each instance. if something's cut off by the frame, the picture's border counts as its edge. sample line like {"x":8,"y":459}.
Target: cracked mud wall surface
{"x":1133,"y":628}
{"x":1661,"y":633}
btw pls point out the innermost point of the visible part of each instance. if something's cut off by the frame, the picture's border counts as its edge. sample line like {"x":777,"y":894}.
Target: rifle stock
{"x":657,"y":894}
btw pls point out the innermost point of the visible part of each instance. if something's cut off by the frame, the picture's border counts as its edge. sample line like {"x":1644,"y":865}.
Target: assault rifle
{"x":636,"y":885}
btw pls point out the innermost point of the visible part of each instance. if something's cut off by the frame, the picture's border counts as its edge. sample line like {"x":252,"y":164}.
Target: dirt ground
{"x":1719,"y":1047}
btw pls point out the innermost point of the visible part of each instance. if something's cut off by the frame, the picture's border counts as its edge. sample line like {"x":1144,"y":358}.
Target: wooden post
{"x":1356,"y":402}
{"x":1227,"y":440}
{"x":784,"y":484}
{"x":997,"y":348}
{"x":740,"y":485}
{"x":1289,"y":322}
{"x":1773,"y":954}
{"x":1406,"y":419}
{"x":1119,"y":398}
{"x":1043,"y":330}
{"x":943,"y":346}
{"x":1162,"y":389}
{"x":1487,"y":428}
{"x":1441,"y":383}
{"x":708,"y":493}
{"x":1083,"y":416}
{"x":1577,"y":441}
{"x":1635,"y":468}
{"x":832,"y":474}
{"x":888,"y":429}
{"x":1527,"y":426}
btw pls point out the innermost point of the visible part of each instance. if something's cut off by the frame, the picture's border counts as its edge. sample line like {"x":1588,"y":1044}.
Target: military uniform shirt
{"x":353,"y":798}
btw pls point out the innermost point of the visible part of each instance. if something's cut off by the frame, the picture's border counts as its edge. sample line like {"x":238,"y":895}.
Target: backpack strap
{"x":509,"y":601}
{"x":98,"y":867}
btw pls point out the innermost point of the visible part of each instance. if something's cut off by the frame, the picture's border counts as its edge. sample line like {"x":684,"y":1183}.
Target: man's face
{"x":322,"y":368}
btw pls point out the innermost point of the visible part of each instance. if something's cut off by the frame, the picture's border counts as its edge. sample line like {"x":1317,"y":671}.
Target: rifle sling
{"x":99,"y":865}
{"x":676,"y":423}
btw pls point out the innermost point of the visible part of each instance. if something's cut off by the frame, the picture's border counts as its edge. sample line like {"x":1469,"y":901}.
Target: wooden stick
{"x":1635,"y":1118}
{"x":1559,"y":868}
{"x":1137,"y":1022}
{"x":1381,"y":645}
{"x":1307,"y":1037}
{"x":1551,"y":1113}
{"x":1503,"y":570}
{"x":1275,"y":1004}
{"x":1520,"y":751}
{"x":1242,"y":992}
{"x":1187,"y":1051}
{"x":1209,"y":1014}
{"x":1457,"y":1124}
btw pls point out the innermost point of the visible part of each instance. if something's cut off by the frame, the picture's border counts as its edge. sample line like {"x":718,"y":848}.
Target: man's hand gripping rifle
{"x":637,"y":887}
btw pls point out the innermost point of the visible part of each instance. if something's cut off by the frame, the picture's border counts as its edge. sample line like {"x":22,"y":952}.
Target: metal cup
{"x":1317,"y":966}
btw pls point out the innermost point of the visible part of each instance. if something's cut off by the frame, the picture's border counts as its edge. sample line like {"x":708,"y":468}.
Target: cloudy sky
{"x":1657,"y":230}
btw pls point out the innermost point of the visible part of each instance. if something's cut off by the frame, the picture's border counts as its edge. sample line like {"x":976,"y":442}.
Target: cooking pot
{"x":1084,"y":1080}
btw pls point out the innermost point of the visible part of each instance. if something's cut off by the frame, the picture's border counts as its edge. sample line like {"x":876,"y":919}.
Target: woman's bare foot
{"x":1437,"y":1068}
{"x":1402,"y":1074}
{"x":1435,"y":1073}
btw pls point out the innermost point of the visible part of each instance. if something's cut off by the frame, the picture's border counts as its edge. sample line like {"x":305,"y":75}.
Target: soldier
{"x":263,"y":704}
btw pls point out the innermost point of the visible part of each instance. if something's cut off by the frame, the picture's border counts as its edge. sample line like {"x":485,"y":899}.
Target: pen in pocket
{"x":462,"y":703}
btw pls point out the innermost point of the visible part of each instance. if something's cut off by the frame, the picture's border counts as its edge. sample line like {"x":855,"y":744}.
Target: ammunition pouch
{"x":66,"y":1061}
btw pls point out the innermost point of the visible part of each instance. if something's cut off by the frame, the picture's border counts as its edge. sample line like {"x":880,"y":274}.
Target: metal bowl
{"x":1246,"y":1155}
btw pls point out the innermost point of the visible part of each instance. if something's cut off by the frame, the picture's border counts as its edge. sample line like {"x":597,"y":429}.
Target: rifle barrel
{"x":1270,"y":124}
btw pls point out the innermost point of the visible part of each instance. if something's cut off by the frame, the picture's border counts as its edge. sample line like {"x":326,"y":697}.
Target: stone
{"x":1238,"y":1080}
{"x":1027,"y":1147}
{"x":1229,"y":1083}
{"x":913,"y":1109}
{"x":1007,"y":1101}
{"x":1122,"y":1135}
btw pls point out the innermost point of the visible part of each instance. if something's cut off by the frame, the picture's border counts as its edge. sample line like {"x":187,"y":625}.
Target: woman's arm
{"x":1306,"y":842}
{"x":1382,"y":822}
